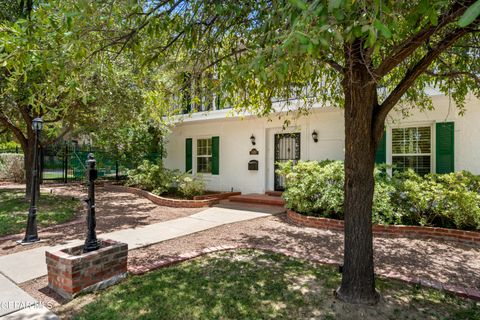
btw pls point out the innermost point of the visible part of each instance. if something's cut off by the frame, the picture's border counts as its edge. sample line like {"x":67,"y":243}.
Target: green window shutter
{"x":445,"y":147}
{"x":381,"y":153}
{"x":188,"y":154}
{"x":215,"y":155}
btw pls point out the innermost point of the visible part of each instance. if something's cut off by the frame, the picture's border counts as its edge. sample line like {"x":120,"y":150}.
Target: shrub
{"x":152,"y":177}
{"x":439,"y":200}
{"x":191,"y":186}
{"x":10,"y":145}
{"x":316,"y":188}
{"x":442,"y":200}
{"x":159,"y":180}
{"x":12,"y":167}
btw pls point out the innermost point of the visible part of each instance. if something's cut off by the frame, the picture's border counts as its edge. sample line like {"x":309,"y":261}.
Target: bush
{"x":316,"y":188}
{"x":10,"y":145}
{"x":159,"y":180}
{"x":152,"y":177}
{"x":12,"y":167}
{"x":191,"y":186}
{"x":442,"y":200}
{"x":438,"y":200}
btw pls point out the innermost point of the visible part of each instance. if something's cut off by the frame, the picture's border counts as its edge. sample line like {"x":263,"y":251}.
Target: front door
{"x":287,"y":147}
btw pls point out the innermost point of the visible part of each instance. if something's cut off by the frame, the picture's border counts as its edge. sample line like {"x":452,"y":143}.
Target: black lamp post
{"x":31,"y":235}
{"x":91,"y":243}
{"x":315,"y":136}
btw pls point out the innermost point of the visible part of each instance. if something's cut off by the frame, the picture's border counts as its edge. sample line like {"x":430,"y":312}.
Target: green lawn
{"x":56,"y":175}
{"x":249,"y":284}
{"x":52,"y":209}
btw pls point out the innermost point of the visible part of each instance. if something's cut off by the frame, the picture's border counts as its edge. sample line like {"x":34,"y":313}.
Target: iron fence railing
{"x":68,"y":163}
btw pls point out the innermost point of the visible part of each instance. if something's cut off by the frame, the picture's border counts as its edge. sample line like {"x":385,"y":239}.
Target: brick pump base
{"x":71,"y":272}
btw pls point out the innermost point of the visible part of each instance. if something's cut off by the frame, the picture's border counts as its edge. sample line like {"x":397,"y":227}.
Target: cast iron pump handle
{"x":91,"y":243}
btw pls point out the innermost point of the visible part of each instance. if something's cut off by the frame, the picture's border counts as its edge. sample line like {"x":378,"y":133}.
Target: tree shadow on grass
{"x":448,"y":262}
{"x":249,"y":284}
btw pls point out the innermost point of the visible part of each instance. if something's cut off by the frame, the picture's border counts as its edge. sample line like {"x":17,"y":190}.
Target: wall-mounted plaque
{"x":254,"y":151}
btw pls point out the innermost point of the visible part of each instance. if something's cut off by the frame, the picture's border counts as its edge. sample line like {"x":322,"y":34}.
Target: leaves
{"x":300,"y":4}
{"x":470,"y":15}
{"x":383,"y":29}
{"x":334,"y":4}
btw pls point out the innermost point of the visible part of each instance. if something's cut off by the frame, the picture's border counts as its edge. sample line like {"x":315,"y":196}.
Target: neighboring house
{"x":218,"y":144}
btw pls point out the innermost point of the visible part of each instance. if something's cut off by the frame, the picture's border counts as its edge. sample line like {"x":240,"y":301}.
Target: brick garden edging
{"x":167,"y":202}
{"x":396,"y":231}
{"x":71,"y":272}
{"x":469,"y":293}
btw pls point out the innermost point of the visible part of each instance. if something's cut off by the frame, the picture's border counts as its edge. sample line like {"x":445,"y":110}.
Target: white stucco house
{"x":239,"y":152}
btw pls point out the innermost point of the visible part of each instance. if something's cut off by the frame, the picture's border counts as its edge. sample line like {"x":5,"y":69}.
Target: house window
{"x":204,"y":155}
{"x":412,"y":148}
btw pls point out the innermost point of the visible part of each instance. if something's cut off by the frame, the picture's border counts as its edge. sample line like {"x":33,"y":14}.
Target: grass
{"x":51,"y":210}
{"x":55,"y":175}
{"x":248,"y":284}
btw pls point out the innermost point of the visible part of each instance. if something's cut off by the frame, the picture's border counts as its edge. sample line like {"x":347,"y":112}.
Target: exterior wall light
{"x":252,"y":139}
{"x":315,"y":136}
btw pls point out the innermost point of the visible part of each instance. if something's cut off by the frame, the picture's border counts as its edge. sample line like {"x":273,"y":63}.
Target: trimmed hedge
{"x":436,"y":200}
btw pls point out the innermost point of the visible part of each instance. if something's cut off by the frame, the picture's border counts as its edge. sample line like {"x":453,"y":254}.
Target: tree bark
{"x":358,"y":280}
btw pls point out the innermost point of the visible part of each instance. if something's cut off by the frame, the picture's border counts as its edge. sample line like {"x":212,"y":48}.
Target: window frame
{"x":196,"y":155}
{"x":432,"y":153}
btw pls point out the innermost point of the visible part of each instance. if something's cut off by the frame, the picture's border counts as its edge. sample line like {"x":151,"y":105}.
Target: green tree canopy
{"x":49,"y":69}
{"x":365,"y":56}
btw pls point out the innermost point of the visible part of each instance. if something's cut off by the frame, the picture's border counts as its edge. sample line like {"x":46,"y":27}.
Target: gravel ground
{"x":114,"y":210}
{"x":447,"y":262}
{"x":443,"y":261}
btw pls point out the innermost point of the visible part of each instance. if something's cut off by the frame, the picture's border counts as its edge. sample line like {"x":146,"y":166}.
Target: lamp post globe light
{"x":31,"y":235}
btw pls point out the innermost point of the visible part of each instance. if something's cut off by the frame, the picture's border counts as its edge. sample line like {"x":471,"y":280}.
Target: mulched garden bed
{"x":115,"y":210}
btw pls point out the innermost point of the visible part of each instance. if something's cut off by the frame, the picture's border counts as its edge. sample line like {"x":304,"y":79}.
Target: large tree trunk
{"x":358,"y":280}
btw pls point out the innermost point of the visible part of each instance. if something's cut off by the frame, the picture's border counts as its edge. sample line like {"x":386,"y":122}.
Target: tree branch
{"x":16,"y":131}
{"x":455,"y":74}
{"x":335,"y":65}
{"x":407,"y":47}
{"x":126,"y":38}
{"x":420,"y":67}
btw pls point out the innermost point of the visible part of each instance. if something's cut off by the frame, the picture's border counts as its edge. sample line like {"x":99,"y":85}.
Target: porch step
{"x":274,"y":193}
{"x":258,"y":198}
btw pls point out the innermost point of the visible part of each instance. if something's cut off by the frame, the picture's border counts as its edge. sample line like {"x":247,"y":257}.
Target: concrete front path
{"x":28,"y":265}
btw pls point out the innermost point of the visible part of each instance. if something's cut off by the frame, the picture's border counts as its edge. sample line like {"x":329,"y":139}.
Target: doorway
{"x":287,"y":147}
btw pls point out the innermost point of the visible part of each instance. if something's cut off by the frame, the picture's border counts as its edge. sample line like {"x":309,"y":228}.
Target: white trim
{"x":194,"y":154}
{"x":413,"y":124}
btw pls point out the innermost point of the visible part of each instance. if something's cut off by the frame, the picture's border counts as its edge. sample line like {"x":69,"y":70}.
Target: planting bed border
{"x":198,"y":202}
{"x":394,"y":230}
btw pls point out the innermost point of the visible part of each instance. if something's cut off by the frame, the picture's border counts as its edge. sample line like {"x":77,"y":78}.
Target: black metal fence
{"x":67,"y":162}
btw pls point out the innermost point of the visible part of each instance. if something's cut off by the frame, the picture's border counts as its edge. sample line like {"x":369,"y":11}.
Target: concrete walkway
{"x":28,"y":265}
